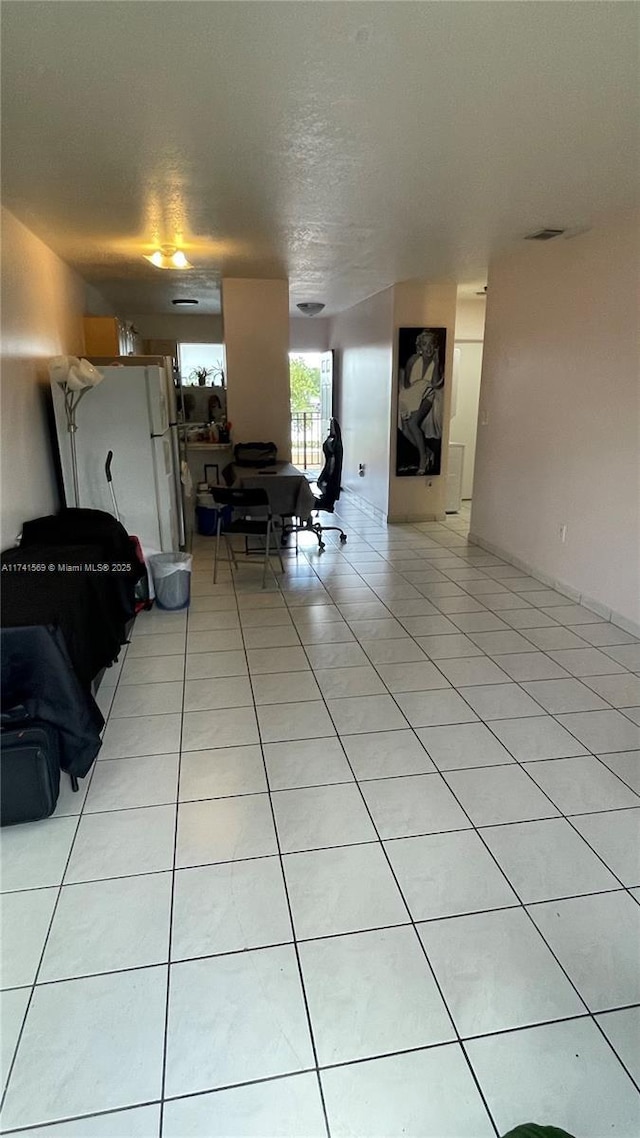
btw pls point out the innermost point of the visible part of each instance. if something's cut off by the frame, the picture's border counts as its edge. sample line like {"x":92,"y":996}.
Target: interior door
{"x":326,"y":390}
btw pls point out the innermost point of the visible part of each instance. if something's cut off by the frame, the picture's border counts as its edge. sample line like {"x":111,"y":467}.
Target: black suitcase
{"x":29,"y":769}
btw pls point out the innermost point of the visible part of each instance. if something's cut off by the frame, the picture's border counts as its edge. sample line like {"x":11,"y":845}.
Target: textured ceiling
{"x":344,"y":145}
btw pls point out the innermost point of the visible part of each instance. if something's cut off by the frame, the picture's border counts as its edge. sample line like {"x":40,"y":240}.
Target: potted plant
{"x":201,"y":374}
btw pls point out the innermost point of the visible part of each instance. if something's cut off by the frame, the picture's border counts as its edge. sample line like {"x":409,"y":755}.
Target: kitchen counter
{"x":209,"y":446}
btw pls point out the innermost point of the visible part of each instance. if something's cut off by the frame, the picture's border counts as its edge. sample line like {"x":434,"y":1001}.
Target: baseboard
{"x":388,"y":519}
{"x":414,"y":519}
{"x":362,"y":504}
{"x":567,"y":590}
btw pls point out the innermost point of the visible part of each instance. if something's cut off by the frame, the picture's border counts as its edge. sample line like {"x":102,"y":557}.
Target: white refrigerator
{"x":132,"y":412}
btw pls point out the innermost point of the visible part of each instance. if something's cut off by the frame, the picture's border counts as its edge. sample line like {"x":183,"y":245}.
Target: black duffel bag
{"x":37,"y":674}
{"x":75,"y":526}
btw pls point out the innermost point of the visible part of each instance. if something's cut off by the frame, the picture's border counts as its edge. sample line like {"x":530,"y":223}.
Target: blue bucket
{"x":207,"y":519}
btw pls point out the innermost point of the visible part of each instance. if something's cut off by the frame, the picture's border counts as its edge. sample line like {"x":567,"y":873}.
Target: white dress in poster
{"x":421,"y":355}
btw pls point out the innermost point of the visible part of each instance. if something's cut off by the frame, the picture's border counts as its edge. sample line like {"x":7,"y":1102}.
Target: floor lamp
{"x":75,"y":377}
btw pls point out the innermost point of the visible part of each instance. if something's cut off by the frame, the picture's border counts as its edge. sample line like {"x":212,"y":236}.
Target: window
{"x":304,"y":382}
{"x":208,"y":356}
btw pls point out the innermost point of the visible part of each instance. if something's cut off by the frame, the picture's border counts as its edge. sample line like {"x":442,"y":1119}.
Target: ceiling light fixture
{"x":184,"y":300}
{"x":310,"y":307}
{"x":168,"y":257}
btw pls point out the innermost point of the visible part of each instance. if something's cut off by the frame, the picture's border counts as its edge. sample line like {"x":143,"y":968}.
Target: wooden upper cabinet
{"x":110,"y":336}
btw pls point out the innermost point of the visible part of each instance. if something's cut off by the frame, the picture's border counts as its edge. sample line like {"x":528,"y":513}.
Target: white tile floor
{"x":360,"y":856}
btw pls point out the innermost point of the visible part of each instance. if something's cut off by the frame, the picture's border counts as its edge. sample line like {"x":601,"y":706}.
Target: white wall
{"x":463,"y":427}
{"x":256,"y":327}
{"x":308,"y":334}
{"x":42,"y":309}
{"x":190,"y":329}
{"x":561,"y":390}
{"x":95,"y":304}
{"x":421,"y":304}
{"x":362,"y":337}
{"x":470,"y":316}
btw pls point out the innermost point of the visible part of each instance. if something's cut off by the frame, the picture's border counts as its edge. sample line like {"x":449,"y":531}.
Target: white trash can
{"x":171,"y":574}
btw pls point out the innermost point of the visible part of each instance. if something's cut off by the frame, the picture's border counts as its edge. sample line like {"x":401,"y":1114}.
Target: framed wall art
{"x":421,"y":357}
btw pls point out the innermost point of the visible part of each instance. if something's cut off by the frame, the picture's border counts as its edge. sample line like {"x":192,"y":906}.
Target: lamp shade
{"x":89,"y":374}
{"x":74,"y":374}
{"x":59,"y":367}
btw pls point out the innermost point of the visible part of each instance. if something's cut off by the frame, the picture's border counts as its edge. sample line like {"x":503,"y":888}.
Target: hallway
{"x":402,"y":893}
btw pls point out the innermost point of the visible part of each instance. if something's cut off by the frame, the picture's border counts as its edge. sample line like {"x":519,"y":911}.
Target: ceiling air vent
{"x":544,"y":235}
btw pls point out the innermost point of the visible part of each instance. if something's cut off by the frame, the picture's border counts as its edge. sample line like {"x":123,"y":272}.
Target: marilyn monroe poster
{"x":421,"y":355}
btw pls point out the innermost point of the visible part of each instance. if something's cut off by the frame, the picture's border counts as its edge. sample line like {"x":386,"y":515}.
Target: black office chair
{"x":255,"y":520}
{"x":328,"y":486}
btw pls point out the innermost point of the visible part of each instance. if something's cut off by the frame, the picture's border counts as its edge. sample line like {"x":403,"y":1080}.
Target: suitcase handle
{"x":14,"y":715}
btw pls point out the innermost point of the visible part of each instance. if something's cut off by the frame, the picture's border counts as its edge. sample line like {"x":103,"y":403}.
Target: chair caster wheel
{"x":343,"y":538}
{"x":321,"y":545}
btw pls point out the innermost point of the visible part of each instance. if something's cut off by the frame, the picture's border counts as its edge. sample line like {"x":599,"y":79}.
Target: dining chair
{"x":251,"y":517}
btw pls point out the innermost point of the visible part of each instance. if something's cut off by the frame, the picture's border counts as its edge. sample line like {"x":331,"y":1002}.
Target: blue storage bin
{"x":207,"y":519}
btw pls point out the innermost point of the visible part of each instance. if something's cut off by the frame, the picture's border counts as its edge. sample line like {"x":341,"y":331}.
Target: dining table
{"x":289,"y":492}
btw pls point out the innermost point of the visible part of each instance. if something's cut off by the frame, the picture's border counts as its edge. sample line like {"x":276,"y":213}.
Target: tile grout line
{"x":353,"y":932}
{"x":562,"y":813}
{"x":165,"y":1041}
{"x":59,"y":887}
{"x":419,"y":939}
{"x":524,"y":907}
{"x":479,"y":718}
{"x":546,"y":712}
{"x":337,"y":845}
{"x":591,"y":1014}
{"x":484,"y":655}
{"x":288,"y":902}
{"x":580,"y":814}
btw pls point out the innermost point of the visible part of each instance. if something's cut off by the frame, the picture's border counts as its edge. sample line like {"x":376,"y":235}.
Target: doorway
{"x":306,"y":394}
